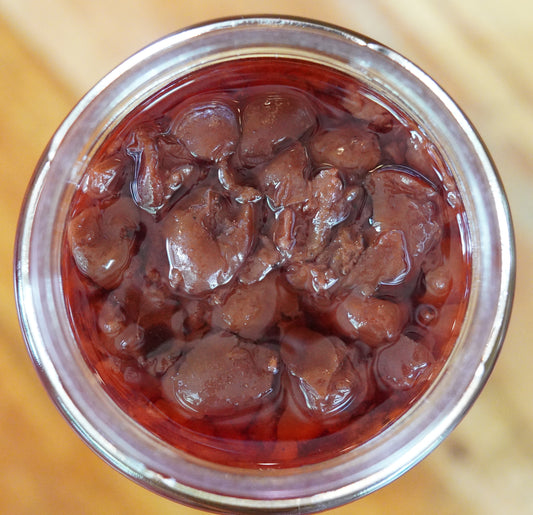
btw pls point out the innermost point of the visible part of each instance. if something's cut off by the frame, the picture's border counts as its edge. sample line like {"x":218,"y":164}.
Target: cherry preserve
{"x":266,"y":264}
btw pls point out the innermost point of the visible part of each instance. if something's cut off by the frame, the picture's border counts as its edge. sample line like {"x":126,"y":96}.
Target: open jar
{"x":306,"y":57}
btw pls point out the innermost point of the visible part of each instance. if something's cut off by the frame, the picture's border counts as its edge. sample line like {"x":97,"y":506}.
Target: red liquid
{"x":266,"y":264}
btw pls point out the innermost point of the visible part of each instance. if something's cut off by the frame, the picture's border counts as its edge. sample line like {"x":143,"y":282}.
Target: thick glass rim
{"x":140,"y":455}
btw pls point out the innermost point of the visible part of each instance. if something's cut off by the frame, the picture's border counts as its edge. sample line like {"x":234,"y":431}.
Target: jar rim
{"x":75,"y":393}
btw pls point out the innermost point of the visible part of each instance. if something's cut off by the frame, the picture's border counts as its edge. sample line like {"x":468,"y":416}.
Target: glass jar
{"x":140,"y":455}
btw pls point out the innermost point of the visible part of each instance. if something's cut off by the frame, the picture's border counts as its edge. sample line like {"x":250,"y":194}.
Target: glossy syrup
{"x":262,"y":265}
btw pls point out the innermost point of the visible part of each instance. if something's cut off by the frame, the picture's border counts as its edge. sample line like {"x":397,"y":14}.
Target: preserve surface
{"x":266,"y":264}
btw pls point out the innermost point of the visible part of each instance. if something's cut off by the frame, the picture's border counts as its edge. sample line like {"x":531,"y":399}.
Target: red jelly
{"x":262,"y":265}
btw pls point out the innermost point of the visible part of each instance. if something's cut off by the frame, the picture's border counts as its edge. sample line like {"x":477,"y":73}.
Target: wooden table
{"x":479,"y":50}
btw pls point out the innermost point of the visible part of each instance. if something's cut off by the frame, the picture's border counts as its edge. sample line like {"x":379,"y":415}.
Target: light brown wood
{"x":480,"y":52}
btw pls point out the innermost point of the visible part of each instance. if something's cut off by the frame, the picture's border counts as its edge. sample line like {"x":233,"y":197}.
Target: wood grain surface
{"x":478,"y":50}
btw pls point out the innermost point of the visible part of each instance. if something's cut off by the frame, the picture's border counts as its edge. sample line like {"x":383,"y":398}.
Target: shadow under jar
{"x":265,"y":264}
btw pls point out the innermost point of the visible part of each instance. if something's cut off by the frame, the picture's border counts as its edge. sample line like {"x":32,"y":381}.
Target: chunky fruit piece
{"x":282,"y":179}
{"x":264,"y":259}
{"x":248,"y":310}
{"x":373,"y":320}
{"x":207,"y":241}
{"x":208,"y":129}
{"x":319,"y":368}
{"x":101,"y":241}
{"x":405,"y":201}
{"x":105,"y":178}
{"x":222,"y":374}
{"x":271,"y":119}
{"x":404,"y":363}
{"x":385,"y":262}
{"x":162,"y":168}
{"x":349,"y":147}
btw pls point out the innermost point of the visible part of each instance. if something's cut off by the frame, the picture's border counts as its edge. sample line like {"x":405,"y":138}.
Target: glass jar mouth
{"x":78,"y":394}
